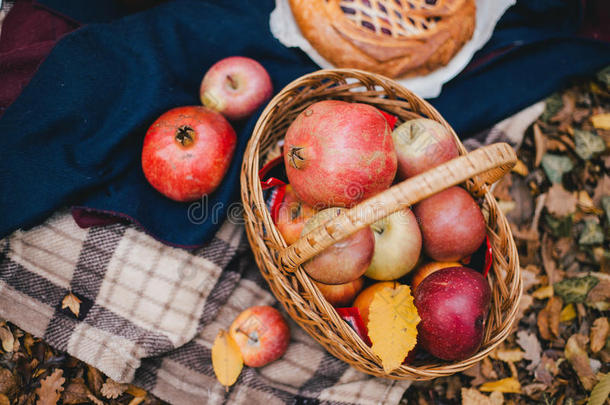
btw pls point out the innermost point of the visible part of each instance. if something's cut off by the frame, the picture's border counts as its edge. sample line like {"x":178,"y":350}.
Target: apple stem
{"x":247,"y":335}
{"x":185,"y":135}
{"x":232,"y":82}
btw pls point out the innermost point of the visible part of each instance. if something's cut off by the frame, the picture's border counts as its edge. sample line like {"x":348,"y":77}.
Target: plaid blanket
{"x":149,"y":313}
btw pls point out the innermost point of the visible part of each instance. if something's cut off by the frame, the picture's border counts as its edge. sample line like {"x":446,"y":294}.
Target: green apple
{"x":397,"y":246}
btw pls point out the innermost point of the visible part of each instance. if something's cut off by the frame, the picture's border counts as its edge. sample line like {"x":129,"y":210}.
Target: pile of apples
{"x":338,"y":154}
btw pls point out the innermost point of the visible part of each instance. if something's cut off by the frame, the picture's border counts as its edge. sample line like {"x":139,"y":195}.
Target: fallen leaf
{"x":548,"y":318}
{"x":97,"y":401}
{"x":4,"y":400}
{"x":600,"y":392}
{"x":532,"y":389}
{"x":475,"y":372}
{"x":8,"y":382}
{"x":71,"y":302}
{"x":546,"y":371}
{"x":112,"y":389}
{"x":555,"y":166}
{"x":136,"y":391}
{"x":575,"y":289}
{"x":598,"y":334}
{"x":606,"y":206}
{"x":601,"y":121}
{"x":470,"y":396}
{"x":553,"y":104}
{"x":564,"y":115}
{"x":588,"y":144}
{"x":76,"y":392}
{"x":586,"y":204}
{"x":506,"y":385}
{"x":487,"y":369}
{"x":94,"y":380}
{"x":560,"y":202}
{"x":540,"y":144}
{"x":577,"y":356}
{"x":599,"y":296}
{"x":8,"y":340}
{"x":227,"y":360}
{"x":592,"y":233}
{"x":543,"y":292}
{"x":520,"y":168}
{"x":50,"y":388}
{"x":604,"y":76}
{"x":567,"y":313}
{"x":137,"y":401}
{"x":392,"y":325}
{"x":510,"y":355}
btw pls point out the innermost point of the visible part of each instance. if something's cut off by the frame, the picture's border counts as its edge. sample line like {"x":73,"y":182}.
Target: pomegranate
{"x":338,"y":154}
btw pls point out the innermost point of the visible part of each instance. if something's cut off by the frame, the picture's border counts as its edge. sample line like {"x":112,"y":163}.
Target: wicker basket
{"x":280,"y":265}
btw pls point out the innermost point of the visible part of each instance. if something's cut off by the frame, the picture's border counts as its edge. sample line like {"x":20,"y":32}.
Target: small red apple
{"x":262,"y":335}
{"x":187,"y":152}
{"x":453,"y":304}
{"x":341,"y":295}
{"x":235,"y":87}
{"x":343,"y":261}
{"x":422,"y":144}
{"x":292,"y":215}
{"x":451,"y":223}
{"x":338,"y":153}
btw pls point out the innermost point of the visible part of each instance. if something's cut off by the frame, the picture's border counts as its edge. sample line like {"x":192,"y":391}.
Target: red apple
{"x":453,"y":304}
{"x":338,"y":153}
{"x":451,"y":223}
{"x":292,"y":215}
{"x":236,"y":87}
{"x":422,"y":144}
{"x":187,"y":152}
{"x":344,"y":261}
{"x":262,"y":335}
{"x":341,"y":295}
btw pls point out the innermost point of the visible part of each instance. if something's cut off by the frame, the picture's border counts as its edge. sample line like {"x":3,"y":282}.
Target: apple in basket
{"x":397,"y":246}
{"x":453,"y":304}
{"x":451,"y":223}
{"x":187,"y":152}
{"x":341,"y":295}
{"x":424,"y":270}
{"x":343,"y":261}
{"x":262,"y":335}
{"x":338,"y":153}
{"x":292,"y":215}
{"x":235,"y":87}
{"x":422,"y":144}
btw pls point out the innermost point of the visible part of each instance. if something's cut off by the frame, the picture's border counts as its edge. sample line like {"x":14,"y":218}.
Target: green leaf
{"x":606,"y":206}
{"x":600,"y":392}
{"x":592,"y":233}
{"x":604,"y":76}
{"x":555,"y":166}
{"x":559,"y":227}
{"x":554,"y":103}
{"x":575,"y":289}
{"x":588,"y":144}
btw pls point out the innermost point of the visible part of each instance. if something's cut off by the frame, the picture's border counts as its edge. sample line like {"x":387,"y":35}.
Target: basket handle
{"x":487,"y":165}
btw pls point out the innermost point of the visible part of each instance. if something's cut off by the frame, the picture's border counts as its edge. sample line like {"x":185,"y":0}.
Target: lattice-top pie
{"x":396,"y":38}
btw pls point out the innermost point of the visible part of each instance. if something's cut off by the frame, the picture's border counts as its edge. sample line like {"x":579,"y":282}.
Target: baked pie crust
{"x":396,"y":38}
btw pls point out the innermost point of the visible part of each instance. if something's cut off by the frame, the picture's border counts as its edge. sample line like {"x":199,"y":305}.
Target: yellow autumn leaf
{"x":227,"y":360}
{"x":510,"y":355}
{"x":543,"y":292}
{"x":601,"y":121}
{"x":520,"y":168}
{"x":600,"y":392}
{"x":567,"y":313}
{"x":505,"y":385}
{"x":72,"y":302}
{"x":392,"y":325}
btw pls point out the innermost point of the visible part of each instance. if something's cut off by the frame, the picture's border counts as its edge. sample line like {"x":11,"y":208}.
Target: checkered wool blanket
{"x":149,"y":313}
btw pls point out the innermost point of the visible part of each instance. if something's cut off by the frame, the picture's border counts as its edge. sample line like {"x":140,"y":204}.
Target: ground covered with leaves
{"x":558,"y":202}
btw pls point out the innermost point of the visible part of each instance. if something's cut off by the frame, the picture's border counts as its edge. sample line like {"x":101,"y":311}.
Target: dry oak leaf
{"x":8,"y":340}
{"x":601,"y":121}
{"x":600,"y":392}
{"x":507,"y":385}
{"x":50,"y":388}
{"x":71,"y":302}
{"x":392,"y":325}
{"x":112,"y":389}
{"x":227,"y":360}
{"x":76,"y":392}
{"x":559,"y":201}
{"x":577,"y":356}
{"x":471,"y":396}
{"x":598,"y":334}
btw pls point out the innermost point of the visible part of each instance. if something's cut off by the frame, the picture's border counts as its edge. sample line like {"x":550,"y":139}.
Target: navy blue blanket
{"x":74,"y":136}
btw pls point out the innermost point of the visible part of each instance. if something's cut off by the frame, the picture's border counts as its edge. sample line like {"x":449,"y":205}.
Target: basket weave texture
{"x":280,"y":264}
